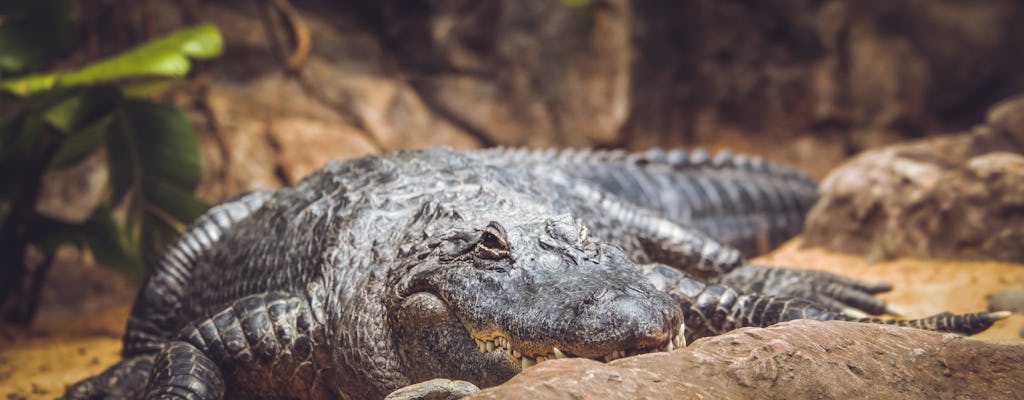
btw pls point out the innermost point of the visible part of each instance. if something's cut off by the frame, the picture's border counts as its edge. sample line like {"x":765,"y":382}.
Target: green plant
{"x":63,"y":117}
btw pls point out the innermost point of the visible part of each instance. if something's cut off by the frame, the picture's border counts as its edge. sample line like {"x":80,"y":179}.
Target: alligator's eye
{"x":493,"y":242}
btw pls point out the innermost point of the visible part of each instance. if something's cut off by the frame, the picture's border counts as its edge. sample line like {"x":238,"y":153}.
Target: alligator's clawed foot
{"x":434,"y":389}
{"x":836,"y":292}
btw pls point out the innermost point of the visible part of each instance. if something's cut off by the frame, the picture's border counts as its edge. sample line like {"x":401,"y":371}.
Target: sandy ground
{"x":40,"y":362}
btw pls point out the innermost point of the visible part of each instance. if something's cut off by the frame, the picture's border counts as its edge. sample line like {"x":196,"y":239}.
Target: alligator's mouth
{"x":499,"y":343}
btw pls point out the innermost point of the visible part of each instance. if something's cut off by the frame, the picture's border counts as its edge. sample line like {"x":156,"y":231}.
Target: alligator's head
{"x":481,"y":304}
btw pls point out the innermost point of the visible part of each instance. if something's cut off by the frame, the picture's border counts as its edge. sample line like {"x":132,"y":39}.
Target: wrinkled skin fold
{"x":375,"y":274}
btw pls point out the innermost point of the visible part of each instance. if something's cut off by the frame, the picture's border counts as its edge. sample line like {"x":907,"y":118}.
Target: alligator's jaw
{"x":498,"y":343}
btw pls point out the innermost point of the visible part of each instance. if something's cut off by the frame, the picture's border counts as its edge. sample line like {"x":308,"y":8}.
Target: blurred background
{"x":258,"y":93}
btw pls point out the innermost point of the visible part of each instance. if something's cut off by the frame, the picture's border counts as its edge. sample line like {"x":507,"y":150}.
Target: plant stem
{"x":16,"y":306}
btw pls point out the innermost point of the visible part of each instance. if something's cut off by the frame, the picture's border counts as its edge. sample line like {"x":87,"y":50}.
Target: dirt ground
{"x":40,"y":362}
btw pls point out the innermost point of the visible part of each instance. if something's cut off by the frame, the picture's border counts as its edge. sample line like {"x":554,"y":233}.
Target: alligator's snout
{"x":607,"y":326}
{"x":600,"y":307}
{"x":611,"y":321}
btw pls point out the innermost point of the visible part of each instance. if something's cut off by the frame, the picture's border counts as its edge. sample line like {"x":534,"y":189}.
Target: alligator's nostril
{"x":595,"y":297}
{"x":628,"y":317}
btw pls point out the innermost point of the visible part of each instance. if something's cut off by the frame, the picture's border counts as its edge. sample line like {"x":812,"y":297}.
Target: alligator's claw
{"x":833,"y":291}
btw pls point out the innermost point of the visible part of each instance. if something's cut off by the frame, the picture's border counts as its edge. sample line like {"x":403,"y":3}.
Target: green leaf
{"x":577,"y":3}
{"x":32,"y":131}
{"x":123,"y":161}
{"x":100,"y":233}
{"x":174,"y":201}
{"x":154,"y":161}
{"x":83,"y":118}
{"x":165,"y":57}
{"x":107,"y":242}
{"x":167,"y":146}
{"x":157,"y":234}
{"x":146,"y":90}
{"x":80,"y":108}
{"x":27,"y":85}
{"x":76,"y":148}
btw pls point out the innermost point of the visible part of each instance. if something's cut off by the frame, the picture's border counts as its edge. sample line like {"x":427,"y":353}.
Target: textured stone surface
{"x":804,"y":359}
{"x":802,"y":82}
{"x":958,"y":196}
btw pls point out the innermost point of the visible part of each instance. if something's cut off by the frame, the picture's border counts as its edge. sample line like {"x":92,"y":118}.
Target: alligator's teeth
{"x":480,"y":345}
{"x":516,"y":353}
{"x":680,"y":339}
{"x":528,"y":362}
{"x":490,"y":346}
{"x":558,"y":353}
{"x":671,"y":345}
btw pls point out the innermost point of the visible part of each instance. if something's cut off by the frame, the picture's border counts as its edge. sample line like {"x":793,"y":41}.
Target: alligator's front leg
{"x":182,"y":371}
{"x":711,"y":309}
{"x":267,"y":344}
{"x":124,"y":380}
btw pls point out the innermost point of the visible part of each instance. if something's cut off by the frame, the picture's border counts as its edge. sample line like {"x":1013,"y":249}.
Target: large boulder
{"x":795,"y":360}
{"x":958,"y":196}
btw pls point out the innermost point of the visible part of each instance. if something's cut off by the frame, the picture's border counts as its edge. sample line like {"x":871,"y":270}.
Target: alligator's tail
{"x":967,"y":324}
{"x":741,"y":200}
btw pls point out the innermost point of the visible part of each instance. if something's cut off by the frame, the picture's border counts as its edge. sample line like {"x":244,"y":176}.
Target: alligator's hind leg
{"x":712,"y":309}
{"x":694,"y":253}
{"x":835,"y":291}
{"x":124,"y":380}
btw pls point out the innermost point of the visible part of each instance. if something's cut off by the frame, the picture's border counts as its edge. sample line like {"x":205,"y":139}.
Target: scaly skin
{"x":377,"y":273}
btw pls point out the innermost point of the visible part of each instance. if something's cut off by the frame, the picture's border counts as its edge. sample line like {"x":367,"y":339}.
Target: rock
{"x":400,"y":74}
{"x":72,"y":194}
{"x":904,"y":200}
{"x":519,"y":73}
{"x":306,"y":144}
{"x":434,"y":389}
{"x":878,"y":72}
{"x":1011,"y":299}
{"x":1007,"y":120}
{"x":801,"y":359}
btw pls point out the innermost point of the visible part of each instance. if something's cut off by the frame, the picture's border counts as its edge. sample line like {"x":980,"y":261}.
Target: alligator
{"x":378,"y":273}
